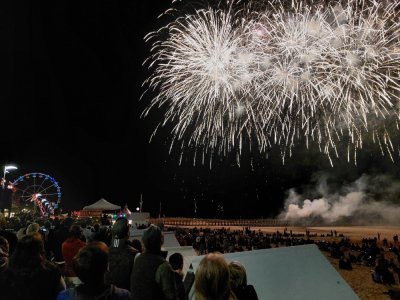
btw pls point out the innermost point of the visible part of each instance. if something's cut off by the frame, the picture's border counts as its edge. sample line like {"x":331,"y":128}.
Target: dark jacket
{"x":246,"y":293}
{"x":40,"y":284}
{"x":120,"y":262}
{"x":152,"y":278}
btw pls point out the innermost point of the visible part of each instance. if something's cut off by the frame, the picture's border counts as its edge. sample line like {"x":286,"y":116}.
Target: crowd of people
{"x":384,"y":259}
{"x":71,"y":259}
{"x":75,"y":259}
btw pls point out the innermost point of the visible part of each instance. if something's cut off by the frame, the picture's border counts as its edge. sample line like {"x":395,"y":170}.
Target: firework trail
{"x":273,"y":74}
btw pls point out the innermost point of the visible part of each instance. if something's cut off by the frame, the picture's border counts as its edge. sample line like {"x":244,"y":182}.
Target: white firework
{"x":203,"y":75}
{"x":285,"y":72}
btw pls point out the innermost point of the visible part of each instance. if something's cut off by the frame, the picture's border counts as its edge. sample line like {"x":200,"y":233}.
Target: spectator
{"x":87,"y":232}
{"x":121,"y":255}
{"x":33,"y":228}
{"x":381,"y":273}
{"x":102,"y":234}
{"x":345,"y":263}
{"x":90,"y":265}
{"x":71,"y":247}
{"x":30,"y":275}
{"x":176,"y":261}
{"x":8,"y":235}
{"x":57,"y":238}
{"x":212,"y":279}
{"x":4,"y":250}
{"x":152,"y":276}
{"x":238,"y":282}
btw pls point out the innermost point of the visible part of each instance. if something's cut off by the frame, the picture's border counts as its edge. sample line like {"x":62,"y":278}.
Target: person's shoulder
{"x":250,"y":292}
{"x":51,"y":267}
{"x":66,"y":294}
{"x":120,"y":294}
{"x":165,"y":267}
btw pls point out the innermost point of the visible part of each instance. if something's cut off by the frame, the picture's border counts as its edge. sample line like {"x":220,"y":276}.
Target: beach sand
{"x":360,"y":278}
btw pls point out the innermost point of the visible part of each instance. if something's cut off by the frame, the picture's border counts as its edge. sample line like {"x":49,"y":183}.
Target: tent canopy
{"x":101,"y":205}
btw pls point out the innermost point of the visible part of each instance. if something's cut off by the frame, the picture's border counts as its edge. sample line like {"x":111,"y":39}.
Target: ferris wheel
{"x":37,"y":192}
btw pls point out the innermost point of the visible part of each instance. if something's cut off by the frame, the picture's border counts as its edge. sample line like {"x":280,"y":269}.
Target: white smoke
{"x":368,"y":200}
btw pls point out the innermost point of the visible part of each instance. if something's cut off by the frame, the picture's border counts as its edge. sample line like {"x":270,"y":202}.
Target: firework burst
{"x":278,"y":73}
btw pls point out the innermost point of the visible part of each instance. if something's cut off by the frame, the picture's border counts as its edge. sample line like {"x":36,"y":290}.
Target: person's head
{"x":67,"y":223}
{"x":153,"y":239}
{"x":75,"y":232}
{"x":237,"y":276}
{"x":29,"y":252}
{"x":91,"y":263}
{"x":120,"y":229}
{"x":32,"y":228}
{"x":176,"y":261}
{"x":212,"y":278}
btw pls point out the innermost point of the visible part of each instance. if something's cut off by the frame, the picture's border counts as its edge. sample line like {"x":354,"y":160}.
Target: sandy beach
{"x":359,"y":278}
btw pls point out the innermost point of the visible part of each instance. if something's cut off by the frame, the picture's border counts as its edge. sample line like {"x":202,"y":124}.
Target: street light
{"x":6,"y":170}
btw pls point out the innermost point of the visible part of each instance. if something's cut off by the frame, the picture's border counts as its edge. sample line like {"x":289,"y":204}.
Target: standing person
{"x":212,"y":279}
{"x":30,"y":275}
{"x":152,"y":276}
{"x":57,"y":238}
{"x":176,"y":261}
{"x":121,"y":255}
{"x":71,"y":247}
{"x":8,"y":235}
{"x":90,"y":265}
{"x":238,"y":282}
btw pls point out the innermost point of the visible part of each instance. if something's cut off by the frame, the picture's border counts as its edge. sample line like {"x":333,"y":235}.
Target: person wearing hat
{"x":152,"y":276}
{"x":121,"y":255}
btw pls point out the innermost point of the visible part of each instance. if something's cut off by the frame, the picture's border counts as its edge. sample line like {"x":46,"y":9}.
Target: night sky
{"x":70,"y":108}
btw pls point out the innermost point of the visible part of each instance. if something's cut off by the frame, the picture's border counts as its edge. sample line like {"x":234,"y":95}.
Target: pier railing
{"x":220,"y":222}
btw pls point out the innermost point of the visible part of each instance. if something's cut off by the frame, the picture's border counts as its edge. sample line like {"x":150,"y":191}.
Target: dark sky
{"x":70,"y":108}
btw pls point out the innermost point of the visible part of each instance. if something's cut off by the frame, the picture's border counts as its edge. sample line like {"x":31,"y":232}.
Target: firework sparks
{"x":277,"y":74}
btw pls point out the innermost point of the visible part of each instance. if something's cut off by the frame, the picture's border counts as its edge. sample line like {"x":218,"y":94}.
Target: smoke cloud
{"x":370,"y":200}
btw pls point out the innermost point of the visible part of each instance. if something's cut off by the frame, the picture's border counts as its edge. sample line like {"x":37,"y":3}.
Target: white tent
{"x":101,"y":205}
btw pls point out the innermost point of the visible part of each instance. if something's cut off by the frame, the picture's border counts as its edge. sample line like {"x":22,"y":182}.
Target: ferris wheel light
{"x":39,"y":191}
{"x":6,"y":168}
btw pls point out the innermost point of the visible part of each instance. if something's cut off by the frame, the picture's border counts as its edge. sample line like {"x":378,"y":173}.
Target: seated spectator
{"x":90,"y":265}
{"x":345,"y":263}
{"x":71,"y":247}
{"x":238,"y":282}
{"x":176,"y":261}
{"x":212,"y":279}
{"x":152,"y":276}
{"x":382,"y":273}
{"x":29,"y":274}
{"x":4,"y":250}
{"x":121,"y":255}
